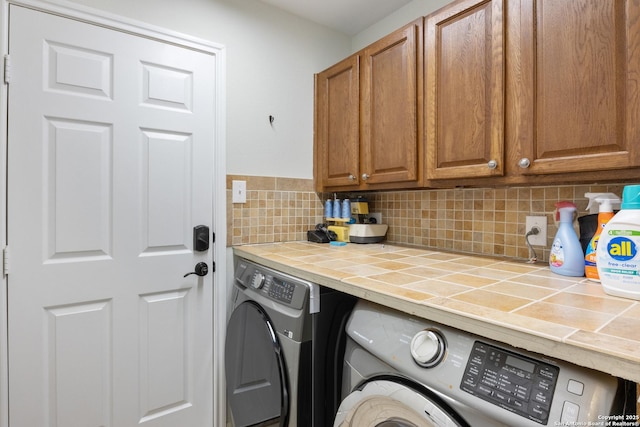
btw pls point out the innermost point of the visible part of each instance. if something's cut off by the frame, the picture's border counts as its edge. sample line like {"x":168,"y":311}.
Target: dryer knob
{"x":427,"y":348}
{"x":258,"y":280}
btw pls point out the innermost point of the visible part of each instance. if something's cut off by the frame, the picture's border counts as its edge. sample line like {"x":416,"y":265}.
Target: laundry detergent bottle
{"x":566,"y":256}
{"x":605,"y":213}
{"x":617,"y":255}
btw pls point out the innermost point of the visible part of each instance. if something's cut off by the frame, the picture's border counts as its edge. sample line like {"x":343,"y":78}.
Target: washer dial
{"x":427,"y":348}
{"x":258,"y":280}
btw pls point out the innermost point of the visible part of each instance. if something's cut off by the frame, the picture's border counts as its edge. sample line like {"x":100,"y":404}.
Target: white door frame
{"x":104,"y":19}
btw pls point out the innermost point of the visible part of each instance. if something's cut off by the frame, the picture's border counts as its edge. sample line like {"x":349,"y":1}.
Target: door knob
{"x":201,"y":269}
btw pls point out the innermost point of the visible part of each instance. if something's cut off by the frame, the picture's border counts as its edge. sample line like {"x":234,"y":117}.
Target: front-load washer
{"x":405,"y":371}
{"x":284,"y":346}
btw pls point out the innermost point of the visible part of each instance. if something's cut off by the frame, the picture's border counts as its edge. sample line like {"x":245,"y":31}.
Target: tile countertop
{"x":524,"y":305}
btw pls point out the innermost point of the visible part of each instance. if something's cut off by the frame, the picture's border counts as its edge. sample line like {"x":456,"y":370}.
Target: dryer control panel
{"x":509,"y":380}
{"x":276,"y":286}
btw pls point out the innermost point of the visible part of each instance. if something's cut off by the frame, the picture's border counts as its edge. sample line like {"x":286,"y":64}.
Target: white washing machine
{"x":404,"y":371}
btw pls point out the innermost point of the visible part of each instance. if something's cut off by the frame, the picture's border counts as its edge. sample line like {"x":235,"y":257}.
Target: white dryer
{"x":403,"y":371}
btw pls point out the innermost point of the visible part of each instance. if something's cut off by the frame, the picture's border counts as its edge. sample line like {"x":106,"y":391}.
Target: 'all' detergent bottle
{"x":617,"y":255}
{"x":566,"y":256}
{"x":605,"y":213}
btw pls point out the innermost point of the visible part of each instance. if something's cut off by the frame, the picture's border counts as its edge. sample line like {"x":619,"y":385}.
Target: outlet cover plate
{"x":539,"y":239}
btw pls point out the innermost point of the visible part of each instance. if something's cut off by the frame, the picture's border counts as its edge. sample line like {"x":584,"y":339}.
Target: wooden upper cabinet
{"x":337,"y":132}
{"x":574,"y":96}
{"x":369,"y":116}
{"x":465,"y":90}
{"x":392,"y":108}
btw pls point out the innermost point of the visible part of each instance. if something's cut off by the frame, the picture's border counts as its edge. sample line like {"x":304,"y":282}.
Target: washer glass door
{"x":256,"y":378}
{"x":383,"y":403}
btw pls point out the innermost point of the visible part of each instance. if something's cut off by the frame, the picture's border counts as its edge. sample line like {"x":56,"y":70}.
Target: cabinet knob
{"x":492,"y":164}
{"x":352,"y":177}
{"x":524,"y":163}
{"x":365,"y":176}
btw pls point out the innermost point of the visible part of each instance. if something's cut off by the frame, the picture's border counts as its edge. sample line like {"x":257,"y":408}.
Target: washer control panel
{"x":514,"y":382}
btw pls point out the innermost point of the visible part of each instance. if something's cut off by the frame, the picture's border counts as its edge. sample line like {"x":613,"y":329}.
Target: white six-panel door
{"x":110,"y":166}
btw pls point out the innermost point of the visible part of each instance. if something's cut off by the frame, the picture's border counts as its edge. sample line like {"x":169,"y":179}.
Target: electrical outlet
{"x":377,"y":216}
{"x":539,"y":239}
{"x":239,"y":191}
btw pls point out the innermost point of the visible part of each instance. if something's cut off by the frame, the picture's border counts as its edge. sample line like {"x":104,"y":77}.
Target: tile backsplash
{"x":487,"y":221}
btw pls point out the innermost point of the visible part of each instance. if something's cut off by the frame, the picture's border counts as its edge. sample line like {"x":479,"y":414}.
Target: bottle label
{"x":621,"y":256}
{"x":590,"y":266}
{"x":556,"y":258}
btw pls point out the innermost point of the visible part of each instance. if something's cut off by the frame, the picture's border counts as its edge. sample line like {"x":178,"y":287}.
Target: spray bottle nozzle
{"x":603,"y":200}
{"x":562,"y":205}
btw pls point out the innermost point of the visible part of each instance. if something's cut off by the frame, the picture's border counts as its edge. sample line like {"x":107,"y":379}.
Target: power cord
{"x":534,"y":231}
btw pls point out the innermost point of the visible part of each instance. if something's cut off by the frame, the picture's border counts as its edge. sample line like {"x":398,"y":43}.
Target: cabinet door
{"x":391,"y":115}
{"x":465,"y":90}
{"x":337,"y":135}
{"x":575,"y":71}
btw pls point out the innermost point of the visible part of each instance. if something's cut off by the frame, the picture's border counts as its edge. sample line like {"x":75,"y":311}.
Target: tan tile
{"x":520,"y":290}
{"x":569,"y":316}
{"x":396,"y":278}
{"x":374,"y":285}
{"x":453,"y":266}
{"x":547,"y":282}
{"x":591,"y":303}
{"x":508,"y":320}
{"x":468,"y":280}
{"x":515,"y":267}
{"x":392,"y":265}
{"x":633,"y":311}
{"x":425,"y":272}
{"x":493,"y":300}
{"x":363,"y":270}
{"x":391,"y":256}
{"x":608,"y":344}
{"x":623,"y":327}
{"x":491,"y":273}
{"x":437,"y":287}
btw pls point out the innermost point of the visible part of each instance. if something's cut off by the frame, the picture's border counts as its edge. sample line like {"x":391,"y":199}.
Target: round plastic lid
{"x":631,"y":197}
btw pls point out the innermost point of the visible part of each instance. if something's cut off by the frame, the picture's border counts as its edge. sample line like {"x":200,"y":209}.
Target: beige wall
{"x":488,"y":221}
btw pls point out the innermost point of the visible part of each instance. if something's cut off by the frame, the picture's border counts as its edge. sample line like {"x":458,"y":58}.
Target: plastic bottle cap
{"x":631,"y":197}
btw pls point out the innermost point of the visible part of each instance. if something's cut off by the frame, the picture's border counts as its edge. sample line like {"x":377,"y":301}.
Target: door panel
{"x":464,"y":58}
{"x":110,"y":154}
{"x":576,"y":83}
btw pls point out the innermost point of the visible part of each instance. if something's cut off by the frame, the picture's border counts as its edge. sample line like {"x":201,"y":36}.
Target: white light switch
{"x":239,"y":191}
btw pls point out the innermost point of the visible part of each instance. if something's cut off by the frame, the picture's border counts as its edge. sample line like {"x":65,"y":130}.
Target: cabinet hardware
{"x":524,"y":163}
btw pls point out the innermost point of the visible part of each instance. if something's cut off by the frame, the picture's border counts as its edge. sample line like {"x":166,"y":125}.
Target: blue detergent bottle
{"x":566,"y":256}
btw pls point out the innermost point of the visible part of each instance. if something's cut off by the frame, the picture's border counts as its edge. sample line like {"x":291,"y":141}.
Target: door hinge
{"x":5,"y":261}
{"x":7,"y":69}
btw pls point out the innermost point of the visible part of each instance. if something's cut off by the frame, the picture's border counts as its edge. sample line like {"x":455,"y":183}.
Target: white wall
{"x":402,"y":16}
{"x":271,"y":59}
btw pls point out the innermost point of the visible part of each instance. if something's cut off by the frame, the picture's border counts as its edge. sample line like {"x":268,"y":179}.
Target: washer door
{"x":385,"y":403}
{"x":257,"y":389}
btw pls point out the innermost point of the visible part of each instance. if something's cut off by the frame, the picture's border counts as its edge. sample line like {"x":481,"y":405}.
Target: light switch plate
{"x":539,"y":239}
{"x":239,"y":191}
